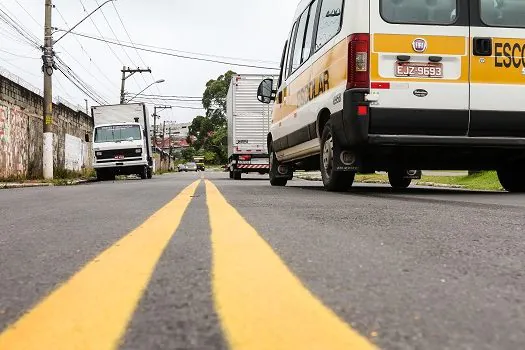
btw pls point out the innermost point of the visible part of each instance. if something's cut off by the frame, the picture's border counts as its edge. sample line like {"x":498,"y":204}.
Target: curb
{"x":13,"y":185}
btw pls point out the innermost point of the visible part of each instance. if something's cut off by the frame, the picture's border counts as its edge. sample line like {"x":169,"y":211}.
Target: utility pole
{"x":47,"y":68}
{"x":163,"y":138}
{"x":87,"y":108}
{"x":155,"y":116}
{"x":124,"y":77}
{"x":169,"y":161}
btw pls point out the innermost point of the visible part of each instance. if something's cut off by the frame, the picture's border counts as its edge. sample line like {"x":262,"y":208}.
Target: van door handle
{"x":482,"y":46}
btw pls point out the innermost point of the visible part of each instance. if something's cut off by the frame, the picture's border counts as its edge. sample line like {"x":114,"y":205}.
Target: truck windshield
{"x":117,"y":133}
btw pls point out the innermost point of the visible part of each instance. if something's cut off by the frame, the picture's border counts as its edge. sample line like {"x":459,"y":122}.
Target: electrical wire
{"x":175,"y":55}
{"x":87,"y":54}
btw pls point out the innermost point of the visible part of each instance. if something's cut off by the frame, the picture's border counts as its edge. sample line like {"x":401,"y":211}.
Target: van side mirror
{"x":266,"y":93}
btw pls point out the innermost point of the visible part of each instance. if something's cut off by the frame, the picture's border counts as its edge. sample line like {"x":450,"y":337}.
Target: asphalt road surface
{"x":199,"y":261}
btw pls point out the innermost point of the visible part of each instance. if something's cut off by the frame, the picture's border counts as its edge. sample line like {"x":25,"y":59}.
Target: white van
{"x":400,"y":86}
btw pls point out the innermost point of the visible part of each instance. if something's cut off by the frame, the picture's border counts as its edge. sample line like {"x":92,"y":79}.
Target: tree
{"x":210,"y":133}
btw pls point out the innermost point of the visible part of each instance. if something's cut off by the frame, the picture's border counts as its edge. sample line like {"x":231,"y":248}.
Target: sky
{"x":250,"y":32}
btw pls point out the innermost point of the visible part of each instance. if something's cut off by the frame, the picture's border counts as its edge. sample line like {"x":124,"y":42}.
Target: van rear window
{"x":426,"y":12}
{"x":503,"y":13}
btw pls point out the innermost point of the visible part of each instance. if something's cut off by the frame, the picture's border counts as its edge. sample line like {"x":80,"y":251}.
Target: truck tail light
{"x":358,"y":61}
{"x":245,"y":158}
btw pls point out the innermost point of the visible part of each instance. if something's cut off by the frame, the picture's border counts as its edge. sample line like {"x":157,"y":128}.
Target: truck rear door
{"x":497,"y":68}
{"x":251,"y":119}
{"x":419,"y":66}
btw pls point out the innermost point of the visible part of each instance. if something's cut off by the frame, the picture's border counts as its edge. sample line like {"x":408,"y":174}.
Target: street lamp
{"x":147,"y":87}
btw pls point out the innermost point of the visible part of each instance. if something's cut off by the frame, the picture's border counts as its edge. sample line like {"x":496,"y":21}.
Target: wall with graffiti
{"x":21,"y":134}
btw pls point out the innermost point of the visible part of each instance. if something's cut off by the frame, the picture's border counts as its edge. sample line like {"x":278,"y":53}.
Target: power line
{"x":21,"y":30}
{"x":175,"y":55}
{"x":29,"y":14}
{"x":181,"y":107}
{"x":71,"y":75}
{"x":87,"y":54}
{"x":133,"y":44}
{"x":175,"y":96}
{"x":21,"y":56}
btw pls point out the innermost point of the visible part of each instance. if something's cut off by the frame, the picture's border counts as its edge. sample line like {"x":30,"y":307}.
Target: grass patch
{"x":487,"y":181}
{"x":482,"y":181}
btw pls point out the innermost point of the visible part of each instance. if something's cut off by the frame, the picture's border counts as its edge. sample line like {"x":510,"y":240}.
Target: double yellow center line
{"x":260,"y":302}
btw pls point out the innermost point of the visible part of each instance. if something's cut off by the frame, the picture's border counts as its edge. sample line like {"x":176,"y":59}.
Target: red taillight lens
{"x":245,"y":158}
{"x":362,"y":111}
{"x":358,"y":61}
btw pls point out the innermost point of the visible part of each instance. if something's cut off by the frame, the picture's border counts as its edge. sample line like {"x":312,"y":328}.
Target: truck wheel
{"x":274,"y":166}
{"x":334,"y":181}
{"x":144,"y":173}
{"x":150,"y":174}
{"x":231,"y":174}
{"x":101,"y":176}
{"x":237,"y":175}
{"x":397,"y":180}
{"x":512,"y":179}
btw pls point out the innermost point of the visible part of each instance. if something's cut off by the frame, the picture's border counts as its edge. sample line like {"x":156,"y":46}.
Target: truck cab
{"x":121,"y":145}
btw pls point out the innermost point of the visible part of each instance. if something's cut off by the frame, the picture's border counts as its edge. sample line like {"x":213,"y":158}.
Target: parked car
{"x":191,"y":167}
{"x":201,"y":167}
{"x":181,"y":167}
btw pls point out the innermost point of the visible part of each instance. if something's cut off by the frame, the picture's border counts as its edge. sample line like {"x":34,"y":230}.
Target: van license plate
{"x":419,"y":70}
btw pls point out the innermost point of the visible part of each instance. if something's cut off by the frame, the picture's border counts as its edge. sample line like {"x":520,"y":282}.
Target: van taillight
{"x":358,"y":61}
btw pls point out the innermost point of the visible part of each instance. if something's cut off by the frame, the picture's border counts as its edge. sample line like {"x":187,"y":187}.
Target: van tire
{"x":398,"y":181}
{"x":512,"y":179}
{"x":334,"y":181}
{"x":275,"y":180}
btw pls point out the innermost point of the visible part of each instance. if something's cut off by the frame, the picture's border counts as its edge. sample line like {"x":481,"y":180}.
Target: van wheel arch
{"x":322,"y":118}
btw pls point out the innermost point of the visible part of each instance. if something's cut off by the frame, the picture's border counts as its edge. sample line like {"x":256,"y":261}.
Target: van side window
{"x":499,"y":13}
{"x":329,"y":21}
{"x":420,"y":12}
{"x":289,"y":52}
{"x":307,"y":49}
{"x":299,"y":41}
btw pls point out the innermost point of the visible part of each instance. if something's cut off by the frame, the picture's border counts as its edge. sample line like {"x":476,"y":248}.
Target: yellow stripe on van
{"x":328,"y":72}
{"x":506,"y":66}
{"x":437,"y":45}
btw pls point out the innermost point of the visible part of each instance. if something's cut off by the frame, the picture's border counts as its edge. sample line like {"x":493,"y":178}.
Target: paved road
{"x":182,"y":262}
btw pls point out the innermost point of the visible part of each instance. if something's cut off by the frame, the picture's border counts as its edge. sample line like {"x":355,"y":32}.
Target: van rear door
{"x":419,"y":65}
{"x":498,"y":68}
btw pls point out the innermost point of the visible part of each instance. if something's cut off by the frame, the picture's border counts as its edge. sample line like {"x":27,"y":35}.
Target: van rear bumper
{"x":425,"y":127}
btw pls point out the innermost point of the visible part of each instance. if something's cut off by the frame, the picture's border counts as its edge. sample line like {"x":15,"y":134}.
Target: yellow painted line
{"x":261,"y":304}
{"x":91,"y":311}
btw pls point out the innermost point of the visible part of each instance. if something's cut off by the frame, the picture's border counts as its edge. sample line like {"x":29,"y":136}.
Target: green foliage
{"x":209,"y":133}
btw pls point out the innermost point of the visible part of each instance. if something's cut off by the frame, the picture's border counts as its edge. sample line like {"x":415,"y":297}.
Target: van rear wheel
{"x":334,"y":181}
{"x":512,"y":179}
{"x":275,"y":179}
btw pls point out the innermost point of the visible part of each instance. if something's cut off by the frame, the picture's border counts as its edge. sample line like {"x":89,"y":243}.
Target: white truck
{"x":248,"y":126}
{"x":121,"y":141}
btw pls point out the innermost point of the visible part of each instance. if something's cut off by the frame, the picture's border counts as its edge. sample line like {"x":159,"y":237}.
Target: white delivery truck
{"x":121,"y":141}
{"x":248,"y":126}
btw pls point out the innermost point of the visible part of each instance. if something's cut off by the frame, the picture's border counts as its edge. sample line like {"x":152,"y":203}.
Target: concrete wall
{"x":21,"y":133}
